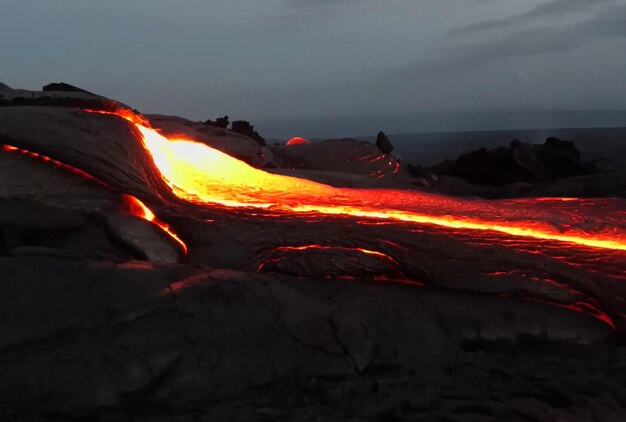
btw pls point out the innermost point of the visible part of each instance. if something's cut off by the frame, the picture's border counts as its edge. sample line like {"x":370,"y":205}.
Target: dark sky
{"x":266,"y":59}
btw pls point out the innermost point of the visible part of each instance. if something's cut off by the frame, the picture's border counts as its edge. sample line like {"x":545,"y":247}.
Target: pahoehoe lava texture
{"x":308,"y":314}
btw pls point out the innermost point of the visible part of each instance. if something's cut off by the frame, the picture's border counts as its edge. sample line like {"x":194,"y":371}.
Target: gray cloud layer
{"x":608,"y":24}
{"x":289,"y":58}
{"x":554,"y":8}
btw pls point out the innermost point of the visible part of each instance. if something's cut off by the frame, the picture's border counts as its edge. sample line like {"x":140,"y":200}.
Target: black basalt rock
{"x":63,"y":87}
{"x":383,"y":143}
{"x":245,"y":128}
{"x":221,"y":122}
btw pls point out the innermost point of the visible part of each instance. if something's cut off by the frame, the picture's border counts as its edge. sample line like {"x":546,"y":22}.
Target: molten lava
{"x":198,"y":173}
{"x":326,"y":247}
{"x":136,"y":207}
{"x":140,"y":210}
{"x":47,"y":159}
{"x":298,"y":141}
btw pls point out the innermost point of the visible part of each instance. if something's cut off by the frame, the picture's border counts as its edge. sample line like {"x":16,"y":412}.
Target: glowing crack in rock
{"x":136,"y":207}
{"x":314,"y":247}
{"x":140,"y":210}
{"x":298,"y":141}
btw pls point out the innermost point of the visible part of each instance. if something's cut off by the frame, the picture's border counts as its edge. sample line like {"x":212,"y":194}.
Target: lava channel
{"x":200,"y":174}
{"x":135,"y":206}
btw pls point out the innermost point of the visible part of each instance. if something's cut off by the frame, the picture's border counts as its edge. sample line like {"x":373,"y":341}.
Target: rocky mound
{"x":521,"y":162}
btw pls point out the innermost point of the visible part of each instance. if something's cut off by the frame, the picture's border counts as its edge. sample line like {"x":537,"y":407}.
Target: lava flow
{"x":139,"y":209}
{"x":198,"y":173}
{"x":135,"y":206}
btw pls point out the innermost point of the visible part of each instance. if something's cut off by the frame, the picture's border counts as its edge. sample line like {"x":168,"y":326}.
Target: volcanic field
{"x":159,"y":269}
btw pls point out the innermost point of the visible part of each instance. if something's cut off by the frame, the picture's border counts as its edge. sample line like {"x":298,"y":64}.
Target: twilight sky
{"x":271,"y":59}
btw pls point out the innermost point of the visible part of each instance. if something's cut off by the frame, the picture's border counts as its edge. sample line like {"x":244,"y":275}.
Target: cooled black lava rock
{"x":80,"y":340}
{"x":245,"y":128}
{"x":562,"y":158}
{"x":383,"y":143}
{"x":63,"y":87}
{"x":62,"y":95}
{"x":221,"y":122}
{"x":519,"y":162}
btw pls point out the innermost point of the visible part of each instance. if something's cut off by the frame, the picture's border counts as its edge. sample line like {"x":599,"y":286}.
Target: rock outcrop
{"x":383,"y":143}
{"x":245,"y":128}
{"x":519,"y":162}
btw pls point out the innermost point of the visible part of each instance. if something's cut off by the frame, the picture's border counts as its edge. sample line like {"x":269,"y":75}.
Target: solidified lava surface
{"x":261,"y":282}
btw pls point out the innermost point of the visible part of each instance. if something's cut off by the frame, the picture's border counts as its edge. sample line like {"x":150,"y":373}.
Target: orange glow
{"x":55,"y":162}
{"x":298,"y":141}
{"x":123,"y":113}
{"x":137,"y":207}
{"x":324,"y":248}
{"x":198,"y":173}
{"x":140,"y":210}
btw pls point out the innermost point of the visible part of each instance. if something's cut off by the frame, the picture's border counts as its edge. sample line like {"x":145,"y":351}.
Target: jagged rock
{"x":519,"y":162}
{"x":63,"y":87}
{"x":561,"y":158}
{"x":245,"y":128}
{"x":221,"y":122}
{"x":383,"y":143}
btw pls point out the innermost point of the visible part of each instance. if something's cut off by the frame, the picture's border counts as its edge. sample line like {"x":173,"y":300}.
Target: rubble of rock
{"x":221,"y":122}
{"x":520,"y":162}
{"x":245,"y":128}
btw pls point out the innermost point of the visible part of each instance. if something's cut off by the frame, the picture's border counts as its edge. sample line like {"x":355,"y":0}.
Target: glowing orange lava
{"x":324,"y":248}
{"x":139,"y":209}
{"x":136,"y":207}
{"x":198,"y":173}
{"x":298,"y":141}
{"x":46,"y":159}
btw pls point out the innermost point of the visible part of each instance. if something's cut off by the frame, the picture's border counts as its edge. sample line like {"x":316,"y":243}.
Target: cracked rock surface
{"x":273,"y":316}
{"x":85,"y":340}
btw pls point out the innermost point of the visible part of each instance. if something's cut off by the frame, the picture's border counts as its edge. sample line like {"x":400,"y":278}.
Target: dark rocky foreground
{"x":105,"y":318}
{"x":131,"y":341}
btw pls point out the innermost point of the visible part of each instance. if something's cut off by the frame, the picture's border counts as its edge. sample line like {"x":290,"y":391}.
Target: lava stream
{"x":198,"y":173}
{"x":136,"y":207}
{"x":139,"y":209}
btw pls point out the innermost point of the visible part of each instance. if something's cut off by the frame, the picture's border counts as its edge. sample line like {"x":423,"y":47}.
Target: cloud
{"x":553,"y":8}
{"x":610,"y":24}
{"x":316,"y":3}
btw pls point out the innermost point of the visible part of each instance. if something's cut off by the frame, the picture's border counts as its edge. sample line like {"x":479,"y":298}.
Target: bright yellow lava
{"x":198,"y":173}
